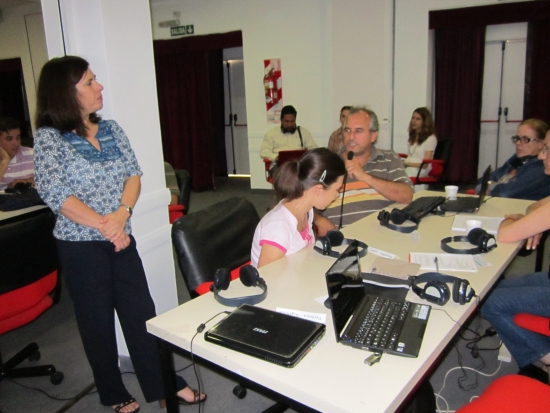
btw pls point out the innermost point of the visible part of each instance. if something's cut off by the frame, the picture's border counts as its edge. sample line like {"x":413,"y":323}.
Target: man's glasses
{"x":523,"y":139}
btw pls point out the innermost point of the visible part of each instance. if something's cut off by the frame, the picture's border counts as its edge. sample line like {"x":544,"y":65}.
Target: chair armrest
{"x":267,"y":165}
{"x":535,"y":323}
{"x":175,"y":212}
{"x":439,"y":162}
{"x":402,"y":155}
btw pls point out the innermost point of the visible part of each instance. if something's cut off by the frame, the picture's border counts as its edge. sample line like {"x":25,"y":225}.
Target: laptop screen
{"x":344,"y":287}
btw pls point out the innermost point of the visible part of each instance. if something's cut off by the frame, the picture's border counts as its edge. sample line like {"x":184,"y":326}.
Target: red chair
{"x":440,"y":160}
{"x":515,"y":393}
{"x":28,"y":286}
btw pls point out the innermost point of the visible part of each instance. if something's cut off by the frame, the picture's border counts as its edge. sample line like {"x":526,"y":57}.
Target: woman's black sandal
{"x":123,"y":405}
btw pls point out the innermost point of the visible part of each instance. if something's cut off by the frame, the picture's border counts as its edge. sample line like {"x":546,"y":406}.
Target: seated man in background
{"x":286,"y":137}
{"x":522,"y":176}
{"x":16,"y":161}
{"x":336,"y":139}
{"x":376,"y":177}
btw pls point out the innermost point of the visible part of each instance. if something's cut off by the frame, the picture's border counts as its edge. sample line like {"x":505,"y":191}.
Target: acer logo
{"x":259,"y":330}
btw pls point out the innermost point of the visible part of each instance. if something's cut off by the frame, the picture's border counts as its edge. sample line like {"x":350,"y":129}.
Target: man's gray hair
{"x":373,"y":118}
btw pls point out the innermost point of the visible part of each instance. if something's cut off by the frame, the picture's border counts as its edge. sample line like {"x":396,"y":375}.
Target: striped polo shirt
{"x":21,"y":167}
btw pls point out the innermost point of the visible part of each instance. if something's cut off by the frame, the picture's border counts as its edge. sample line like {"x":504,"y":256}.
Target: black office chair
{"x":28,"y":285}
{"x":219,"y":236}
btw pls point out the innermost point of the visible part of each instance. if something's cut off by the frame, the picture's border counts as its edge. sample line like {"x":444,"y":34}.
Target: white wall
{"x":22,"y":35}
{"x":413,"y":74}
{"x":297,"y":32}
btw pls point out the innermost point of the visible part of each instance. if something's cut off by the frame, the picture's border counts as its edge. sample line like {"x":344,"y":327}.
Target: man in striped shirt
{"x":16,"y":161}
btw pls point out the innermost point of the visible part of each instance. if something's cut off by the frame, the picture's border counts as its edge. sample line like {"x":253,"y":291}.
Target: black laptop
{"x":275,"y":337}
{"x":371,"y":322}
{"x":469,"y":204}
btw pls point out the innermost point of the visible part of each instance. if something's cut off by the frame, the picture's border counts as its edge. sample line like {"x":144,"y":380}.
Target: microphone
{"x":350,"y":157}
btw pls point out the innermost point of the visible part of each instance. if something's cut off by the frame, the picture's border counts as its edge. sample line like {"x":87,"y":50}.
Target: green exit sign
{"x":182,"y":30}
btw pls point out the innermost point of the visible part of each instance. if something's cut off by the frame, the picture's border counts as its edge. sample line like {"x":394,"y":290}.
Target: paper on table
{"x":489,"y":224}
{"x":394,"y":268}
{"x":446,"y":262}
{"x":317,"y":317}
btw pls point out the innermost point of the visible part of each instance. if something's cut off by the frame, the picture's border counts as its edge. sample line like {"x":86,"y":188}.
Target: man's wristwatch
{"x":128,"y":208}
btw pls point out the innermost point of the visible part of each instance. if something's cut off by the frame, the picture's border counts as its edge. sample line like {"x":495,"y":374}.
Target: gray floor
{"x":56,"y":333}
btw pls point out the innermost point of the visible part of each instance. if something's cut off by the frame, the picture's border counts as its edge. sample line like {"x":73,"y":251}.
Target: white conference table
{"x":333,"y":377}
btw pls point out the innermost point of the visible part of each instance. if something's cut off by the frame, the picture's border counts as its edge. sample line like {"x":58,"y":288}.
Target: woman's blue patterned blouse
{"x":67,"y":164}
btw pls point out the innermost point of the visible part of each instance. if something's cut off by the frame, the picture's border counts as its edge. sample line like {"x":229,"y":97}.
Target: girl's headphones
{"x":483,"y":241}
{"x":323,"y":245}
{"x":249,"y":277}
{"x":437,"y":291}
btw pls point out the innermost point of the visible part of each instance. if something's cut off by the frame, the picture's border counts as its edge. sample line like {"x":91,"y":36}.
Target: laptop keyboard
{"x":463,"y":204}
{"x":382,"y":324}
{"x":421,"y":207}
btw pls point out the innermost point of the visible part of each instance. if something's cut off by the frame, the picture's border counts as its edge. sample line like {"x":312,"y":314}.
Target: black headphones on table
{"x":397,"y":217}
{"x":483,"y":241}
{"x":437,"y":291}
{"x":249,"y":277}
{"x":323,"y":245}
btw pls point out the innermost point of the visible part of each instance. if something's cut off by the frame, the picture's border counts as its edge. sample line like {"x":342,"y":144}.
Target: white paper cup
{"x":471,"y":224}
{"x":451,"y":191}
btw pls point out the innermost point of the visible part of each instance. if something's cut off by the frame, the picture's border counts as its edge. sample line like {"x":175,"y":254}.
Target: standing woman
{"x":422,"y":142}
{"x":87,"y":173}
{"x":311,"y":182}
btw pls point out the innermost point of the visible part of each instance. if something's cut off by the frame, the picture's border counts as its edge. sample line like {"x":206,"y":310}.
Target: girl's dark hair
{"x":295,"y":177}
{"x":57,"y":102}
{"x":428,"y":127}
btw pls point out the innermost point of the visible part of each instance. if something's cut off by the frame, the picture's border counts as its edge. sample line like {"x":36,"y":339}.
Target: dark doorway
{"x":13,"y":97}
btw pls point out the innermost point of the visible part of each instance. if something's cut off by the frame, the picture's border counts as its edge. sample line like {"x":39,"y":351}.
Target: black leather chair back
{"x":27,"y":249}
{"x":216,"y":237}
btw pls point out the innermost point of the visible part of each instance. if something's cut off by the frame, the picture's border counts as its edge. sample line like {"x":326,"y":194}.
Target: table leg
{"x":169,"y":376}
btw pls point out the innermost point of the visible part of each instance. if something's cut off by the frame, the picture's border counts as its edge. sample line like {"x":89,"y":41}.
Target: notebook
{"x":470,"y":204}
{"x":369,"y":322}
{"x":275,"y":337}
{"x":285,"y":156}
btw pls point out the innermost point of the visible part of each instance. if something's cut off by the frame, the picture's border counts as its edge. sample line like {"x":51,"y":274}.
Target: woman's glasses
{"x":523,"y":139}
{"x":545,"y":149}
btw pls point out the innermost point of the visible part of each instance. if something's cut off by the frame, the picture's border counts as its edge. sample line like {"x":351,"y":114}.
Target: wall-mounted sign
{"x":273,"y":89}
{"x":182,"y":30}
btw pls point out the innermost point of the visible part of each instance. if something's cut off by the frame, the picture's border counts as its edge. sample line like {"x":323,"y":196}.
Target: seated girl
{"x":422,"y":142}
{"x":527,"y":294}
{"x":311,"y":182}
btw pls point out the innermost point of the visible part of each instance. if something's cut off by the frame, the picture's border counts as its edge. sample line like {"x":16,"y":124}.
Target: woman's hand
{"x":121,"y":242}
{"x":112,"y":225}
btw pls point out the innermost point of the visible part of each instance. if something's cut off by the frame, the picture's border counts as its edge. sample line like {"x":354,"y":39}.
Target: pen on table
{"x":436,"y":261}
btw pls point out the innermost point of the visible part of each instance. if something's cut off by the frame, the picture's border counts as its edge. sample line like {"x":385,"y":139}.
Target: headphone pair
{"x":395,"y":218}
{"x":249,"y":276}
{"x":437,"y":291}
{"x":323,"y":245}
{"x":483,"y":241}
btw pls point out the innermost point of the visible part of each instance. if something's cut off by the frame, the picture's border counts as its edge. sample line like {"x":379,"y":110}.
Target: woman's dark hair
{"x":57,"y":102}
{"x":295,"y":177}
{"x":428,"y":127}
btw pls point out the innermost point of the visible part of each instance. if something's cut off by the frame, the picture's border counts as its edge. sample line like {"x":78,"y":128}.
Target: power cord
{"x":438,"y":394}
{"x":200,"y":329}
